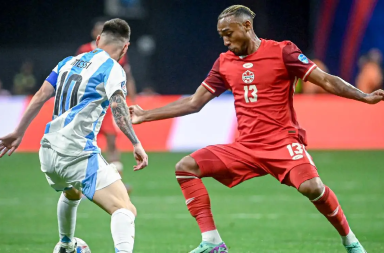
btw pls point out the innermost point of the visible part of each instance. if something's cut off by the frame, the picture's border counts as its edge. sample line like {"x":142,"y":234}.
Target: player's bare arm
{"x":120,"y":113}
{"x":11,"y":142}
{"x":181,"y":107}
{"x":338,"y":86}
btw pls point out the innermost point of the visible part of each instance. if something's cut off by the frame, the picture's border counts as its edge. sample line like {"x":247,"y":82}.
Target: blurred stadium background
{"x":173,"y":46}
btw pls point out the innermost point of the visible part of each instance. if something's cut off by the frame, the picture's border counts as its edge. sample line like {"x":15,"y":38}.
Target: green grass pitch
{"x":259,"y":215}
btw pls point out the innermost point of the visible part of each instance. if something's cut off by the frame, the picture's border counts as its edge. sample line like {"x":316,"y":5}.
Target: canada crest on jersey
{"x":248,"y":76}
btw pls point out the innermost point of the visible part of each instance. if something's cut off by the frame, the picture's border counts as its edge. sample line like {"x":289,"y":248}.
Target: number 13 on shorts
{"x":297,"y":151}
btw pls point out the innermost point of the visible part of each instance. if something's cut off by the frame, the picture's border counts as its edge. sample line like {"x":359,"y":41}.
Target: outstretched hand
{"x":9,"y":143}
{"x":140,"y":156}
{"x":137,"y":114}
{"x":374,"y":97}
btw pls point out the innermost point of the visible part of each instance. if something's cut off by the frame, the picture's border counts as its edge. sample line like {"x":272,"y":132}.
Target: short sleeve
{"x":296,"y":62}
{"x":115,"y":80}
{"x":214,"y":83}
{"x":52,"y":78}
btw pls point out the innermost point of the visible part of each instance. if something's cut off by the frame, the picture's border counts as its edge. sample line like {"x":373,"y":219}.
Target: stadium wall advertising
{"x":331,"y":123}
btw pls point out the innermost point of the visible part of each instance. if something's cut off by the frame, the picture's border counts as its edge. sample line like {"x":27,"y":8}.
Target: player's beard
{"x":243,"y":50}
{"x":239,"y":51}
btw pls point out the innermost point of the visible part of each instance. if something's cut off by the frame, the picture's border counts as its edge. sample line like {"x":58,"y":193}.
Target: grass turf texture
{"x":259,"y":215}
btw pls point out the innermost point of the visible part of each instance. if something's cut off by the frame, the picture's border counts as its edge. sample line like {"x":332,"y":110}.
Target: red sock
{"x":197,"y":200}
{"x":329,"y":206}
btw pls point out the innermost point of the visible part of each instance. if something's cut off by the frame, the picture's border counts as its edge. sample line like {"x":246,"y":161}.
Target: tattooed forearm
{"x":120,"y":113}
{"x":344,"y":89}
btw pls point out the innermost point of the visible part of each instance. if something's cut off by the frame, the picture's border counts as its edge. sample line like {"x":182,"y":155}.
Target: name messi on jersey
{"x":81,"y":64}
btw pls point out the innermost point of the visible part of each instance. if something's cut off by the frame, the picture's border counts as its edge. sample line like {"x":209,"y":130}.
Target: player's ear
{"x":247,"y":25}
{"x":97,"y":40}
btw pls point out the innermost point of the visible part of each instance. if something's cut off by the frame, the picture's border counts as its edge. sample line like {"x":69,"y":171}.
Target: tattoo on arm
{"x":344,"y":89}
{"x":122,"y":118}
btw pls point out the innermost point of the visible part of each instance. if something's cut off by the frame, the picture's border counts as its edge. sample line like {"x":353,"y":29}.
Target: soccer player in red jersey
{"x":108,"y":128}
{"x":262,"y":75}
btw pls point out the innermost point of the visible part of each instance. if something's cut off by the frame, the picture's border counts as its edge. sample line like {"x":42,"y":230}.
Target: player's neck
{"x":113,"y":53}
{"x":254,"y":45}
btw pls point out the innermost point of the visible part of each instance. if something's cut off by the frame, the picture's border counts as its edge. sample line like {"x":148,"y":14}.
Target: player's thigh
{"x":95,"y":175}
{"x":291,"y":164}
{"x":229,"y":164}
{"x":72,"y":194}
{"x":113,"y":197}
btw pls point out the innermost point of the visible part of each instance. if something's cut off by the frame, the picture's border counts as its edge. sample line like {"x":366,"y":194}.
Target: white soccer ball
{"x":82,"y":247}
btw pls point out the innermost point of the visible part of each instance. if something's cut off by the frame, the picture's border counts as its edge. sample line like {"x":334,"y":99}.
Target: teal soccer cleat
{"x":206,"y":247}
{"x":355,"y":248}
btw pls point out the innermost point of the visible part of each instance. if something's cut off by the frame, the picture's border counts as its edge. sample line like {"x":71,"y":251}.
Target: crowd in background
{"x":368,"y":79}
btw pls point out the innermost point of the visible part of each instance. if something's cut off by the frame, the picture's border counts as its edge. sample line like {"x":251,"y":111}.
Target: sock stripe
{"x":321,"y":195}
{"x":329,"y":206}
{"x":196,"y":199}
{"x":334,"y":213}
{"x":184,"y":177}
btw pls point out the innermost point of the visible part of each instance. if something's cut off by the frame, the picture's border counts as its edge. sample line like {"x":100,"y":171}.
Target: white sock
{"x":212,"y":236}
{"x":66,"y":216}
{"x":349,"y":238}
{"x":123,"y":230}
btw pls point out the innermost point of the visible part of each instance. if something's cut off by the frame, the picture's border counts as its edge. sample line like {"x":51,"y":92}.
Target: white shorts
{"x":87,"y":173}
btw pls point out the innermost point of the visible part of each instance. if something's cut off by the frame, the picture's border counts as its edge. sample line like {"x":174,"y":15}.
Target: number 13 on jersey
{"x":250,"y":98}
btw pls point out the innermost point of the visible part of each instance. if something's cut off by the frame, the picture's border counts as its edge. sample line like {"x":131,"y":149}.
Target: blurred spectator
{"x":3,"y":92}
{"x":310,"y":88}
{"x":24,"y":82}
{"x":370,"y":77}
{"x":148,"y":91}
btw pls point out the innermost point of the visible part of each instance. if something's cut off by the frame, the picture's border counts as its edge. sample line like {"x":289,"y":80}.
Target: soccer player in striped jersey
{"x":83,"y":87}
{"x":108,"y":128}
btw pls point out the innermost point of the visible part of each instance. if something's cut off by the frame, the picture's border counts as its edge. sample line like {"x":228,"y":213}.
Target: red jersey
{"x":92,"y":46}
{"x":263,"y":85}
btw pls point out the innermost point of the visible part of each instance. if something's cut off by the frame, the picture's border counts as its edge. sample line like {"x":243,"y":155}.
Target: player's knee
{"x":129,"y":206}
{"x":312,"y":188}
{"x":187,"y":164}
{"x":72,"y":194}
{"x":132,"y":208}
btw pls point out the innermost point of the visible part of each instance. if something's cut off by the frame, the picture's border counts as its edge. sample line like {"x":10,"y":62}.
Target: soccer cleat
{"x":355,"y":248}
{"x":64,"y":250}
{"x":206,"y":247}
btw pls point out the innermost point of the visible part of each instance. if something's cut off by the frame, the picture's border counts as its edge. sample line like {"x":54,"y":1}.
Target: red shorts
{"x":108,"y":125}
{"x":235,"y":163}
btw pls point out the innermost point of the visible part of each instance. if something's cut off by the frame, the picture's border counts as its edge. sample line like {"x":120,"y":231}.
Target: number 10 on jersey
{"x":250,"y":89}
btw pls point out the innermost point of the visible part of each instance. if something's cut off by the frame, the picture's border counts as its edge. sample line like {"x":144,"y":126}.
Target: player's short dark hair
{"x":117,"y":28}
{"x":237,"y":11}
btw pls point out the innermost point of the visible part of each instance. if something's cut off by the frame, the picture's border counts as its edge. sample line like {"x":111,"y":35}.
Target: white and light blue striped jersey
{"x":84,"y":85}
